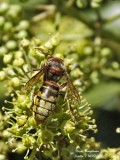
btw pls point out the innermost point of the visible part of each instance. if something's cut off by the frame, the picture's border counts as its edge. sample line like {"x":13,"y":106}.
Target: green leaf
{"x":105,"y":94}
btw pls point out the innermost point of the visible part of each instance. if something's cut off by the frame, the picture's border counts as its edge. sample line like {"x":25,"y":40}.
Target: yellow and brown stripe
{"x":44,"y":104}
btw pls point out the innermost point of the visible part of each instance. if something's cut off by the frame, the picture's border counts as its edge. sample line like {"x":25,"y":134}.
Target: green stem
{"x":33,"y":153}
{"x":111,"y":73}
{"x":48,"y":10}
{"x":112,"y":18}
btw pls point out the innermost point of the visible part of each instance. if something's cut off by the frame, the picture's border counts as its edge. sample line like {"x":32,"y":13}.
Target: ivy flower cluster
{"x":110,"y":153}
{"x":65,"y":129}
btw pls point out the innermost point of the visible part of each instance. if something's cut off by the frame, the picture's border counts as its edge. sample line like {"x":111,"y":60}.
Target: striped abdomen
{"x":45,"y":100}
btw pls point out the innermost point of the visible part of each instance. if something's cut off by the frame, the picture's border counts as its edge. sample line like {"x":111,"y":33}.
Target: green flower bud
{"x":21,"y":34}
{"x":26,"y":67}
{"x":105,"y":51}
{"x":20,"y":148}
{"x":2,"y":21}
{"x":22,"y":120}
{"x":2,"y":75}
{"x":81,"y":131}
{"x":7,"y":58}
{"x":5,"y":38}
{"x":3,"y":50}
{"x":76,"y":73}
{"x":43,"y":49}
{"x":68,"y":62}
{"x":33,"y":52}
{"x":91,"y":112}
{"x":13,"y":129}
{"x":21,"y":98}
{"x":25,"y":43}
{"x":55,"y":40}
{"x":115,"y":65}
{"x":93,"y":121}
{"x":77,"y":82}
{"x":4,"y":7}
{"x":94,"y":126}
{"x":18,"y":111}
{"x":92,"y":139}
{"x":97,"y":43}
{"x":10,"y":72}
{"x":11,"y":45}
{"x":41,"y":55}
{"x":35,"y":42}
{"x":88,"y":50}
{"x":6,"y":134}
{"x":68,"y":126}
{"x":48,"y":45}
{"x":14,"y":11}
{"x":18,"y":54}
{"x":32,"y":121}
{"x":28,"y":141}
{"x":16,"y":8}
{"x":11,"y":14}
{"x":18,"y":62}
{"x":23,"y":25}
{"x":81,"y":3}
{"x":95,"y":4}
{"x":8,"y":26}
{"x":15,"y":82}
{"x":59,"y":55}
{"x":94,"y":76}
{"x":23,"y":102}
{"x":103,"y":61}
{"x":95,"y":130}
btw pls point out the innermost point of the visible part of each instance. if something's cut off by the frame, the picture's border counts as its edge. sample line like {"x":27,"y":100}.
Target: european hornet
{"x":45,"y":99}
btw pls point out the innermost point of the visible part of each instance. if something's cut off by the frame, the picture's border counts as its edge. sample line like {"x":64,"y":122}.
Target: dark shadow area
{"x":15,"y":156}
{"x":107,"y":122}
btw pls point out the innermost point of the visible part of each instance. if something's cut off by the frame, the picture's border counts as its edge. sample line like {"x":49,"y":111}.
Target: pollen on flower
{"x":15,"y":82}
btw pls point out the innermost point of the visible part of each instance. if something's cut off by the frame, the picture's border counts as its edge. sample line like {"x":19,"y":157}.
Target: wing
{"x":35,"y":79}
{"x":71,"y":86}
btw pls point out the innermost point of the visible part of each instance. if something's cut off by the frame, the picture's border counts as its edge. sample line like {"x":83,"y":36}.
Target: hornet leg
{"x":70,"y":109}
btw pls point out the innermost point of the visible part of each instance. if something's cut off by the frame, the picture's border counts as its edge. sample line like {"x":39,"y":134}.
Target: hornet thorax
{"x":55,"y":69}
